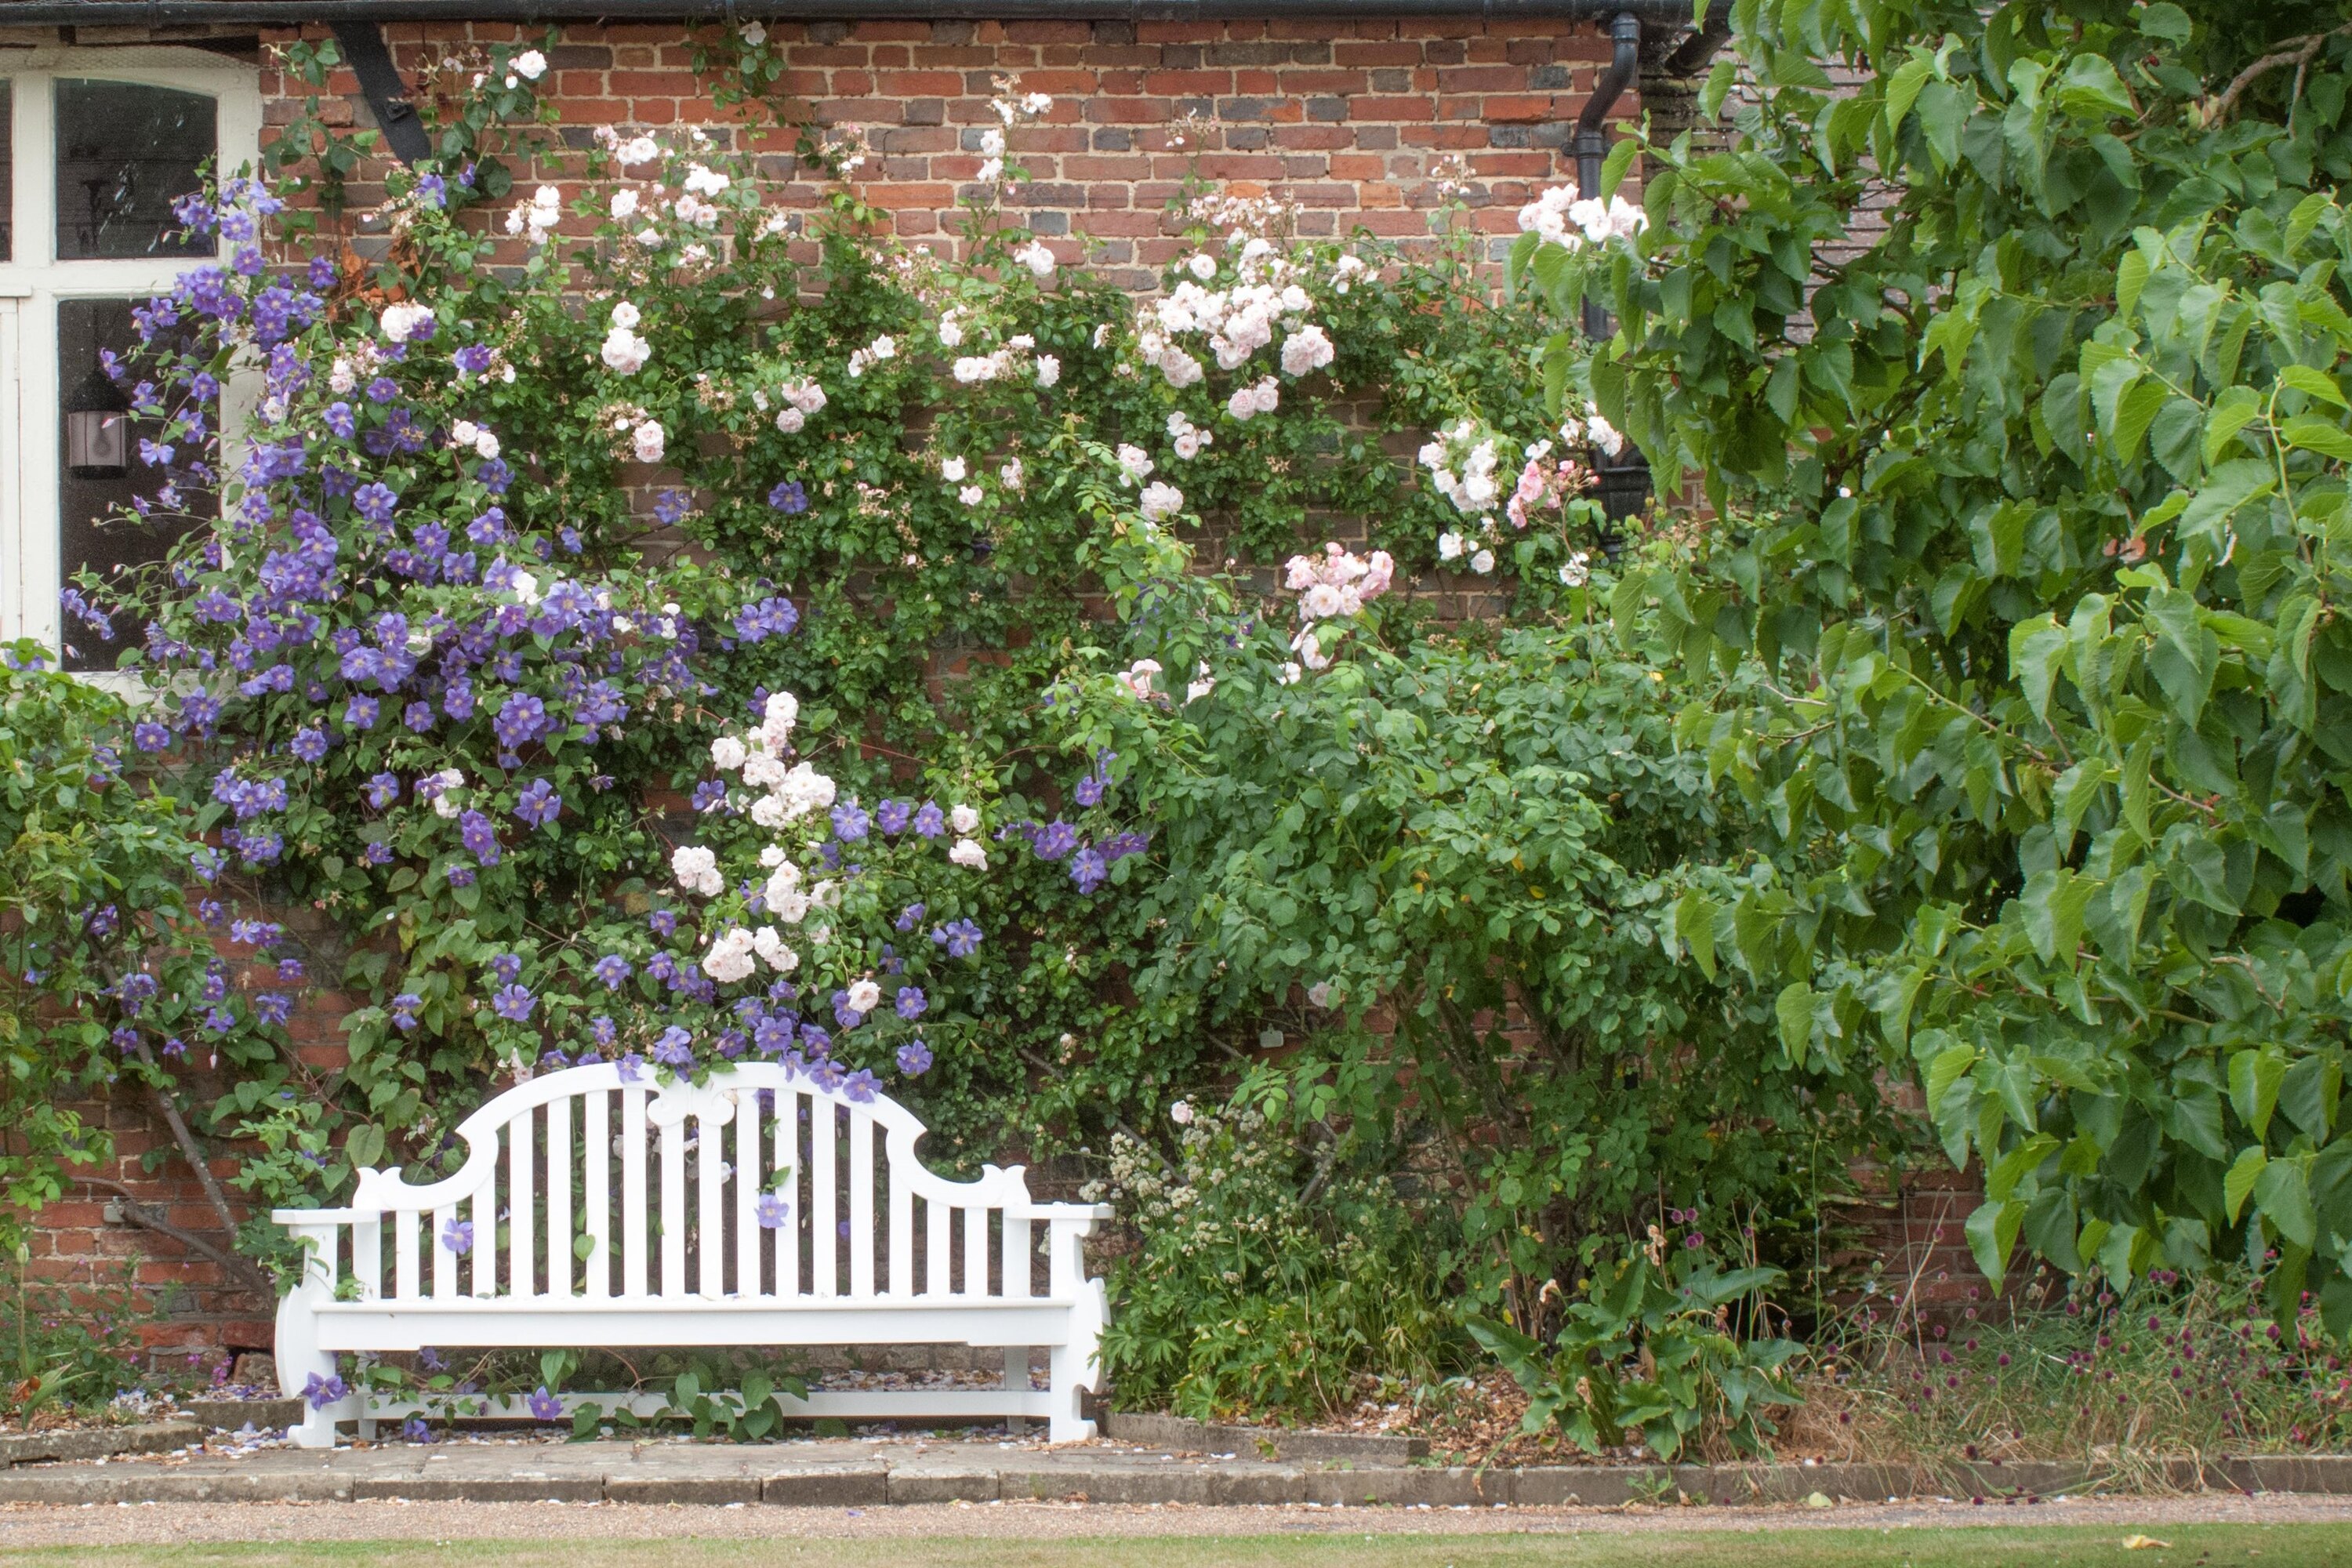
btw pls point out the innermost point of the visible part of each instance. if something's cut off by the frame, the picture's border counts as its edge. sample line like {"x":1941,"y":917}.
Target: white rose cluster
{"x":400,"y":321}
{"x":803,"y":400}
{"x":1019,"y":349}
{"x":536,"y":218}
{"x":624,"y":353}
{"x":1249,"y":402}
{"x":873,"y":354}
{"x":465,"y":433}
{"x":1135,"y":678}
{"x":696,"y":870}
{"x":1036,"y":258}
{"x":1189,"y":438}
{"x":1160,"y":501}
{"x":1463,"y":463}
{"x":1598,"y":431}
{"x":1564,"y":218}
{"x":1264,"y":298}
{"x":1337,"y":582}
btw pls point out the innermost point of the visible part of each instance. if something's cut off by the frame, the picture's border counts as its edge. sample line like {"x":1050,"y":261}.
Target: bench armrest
{"x":323,"y":1216}
{"x":1070,"y":1211}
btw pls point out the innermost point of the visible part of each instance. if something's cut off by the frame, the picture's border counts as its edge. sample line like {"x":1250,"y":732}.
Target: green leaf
{"x":2282,"y":1197}
{"x":2165,"y":20}
{"x":1992,"y":1237}
{"x":2237,"y":407}
{"x":1944,"y":109}
{"x":2035,"y":647}
{"x":2314,"y":383}
{"x":2226,"y":488}
{"x":2053,"y":903}
{"x":2131,"y":277}
{"x":2002,"y":1181}
{"x":1694,"y":924}
{"x":2239,"y":1181}
{"x":2311,"y":433}
{"x":364,"y":1145}
{"x":1902,"y":88}
{"x":2254,"y":1080}
{"x":1794,"y":1008}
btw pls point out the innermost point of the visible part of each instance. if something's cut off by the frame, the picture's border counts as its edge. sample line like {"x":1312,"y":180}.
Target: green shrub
{"x":1265,"y":1281}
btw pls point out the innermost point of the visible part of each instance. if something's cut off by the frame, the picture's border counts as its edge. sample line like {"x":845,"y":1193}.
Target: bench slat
{"x":788,"y":1158}
{"x":747,"y":1193}
{"x":367,"y":1257}
{"x":825,"y":1236}
{"x":596,"y":1149}
{"x":523,"y":1266}
{"x":558,"y":1198}
{"x":861,"y":1201}
{"x":485,"y":1236}
{"x":445,"y":1262}
{"x":406,"y":1279}
{"x":709,"y":1208}
{"x":673,"y":1208}
{"x":632,"y":1192}
{"x":902,"y":1233}
{"x":975,"y":1250}
{"x":936,"y":1274}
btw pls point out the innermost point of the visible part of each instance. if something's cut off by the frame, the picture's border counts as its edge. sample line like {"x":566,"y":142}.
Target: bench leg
{"x":299,"y":1360}
{"x":1016,"y":1379}
{"x":1070,"y":1368}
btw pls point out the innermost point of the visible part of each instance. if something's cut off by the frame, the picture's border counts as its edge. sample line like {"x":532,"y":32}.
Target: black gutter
{"x":1664,"y":15}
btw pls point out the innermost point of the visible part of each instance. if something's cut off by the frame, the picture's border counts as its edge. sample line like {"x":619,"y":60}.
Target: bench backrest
{"x":582,"y":1183}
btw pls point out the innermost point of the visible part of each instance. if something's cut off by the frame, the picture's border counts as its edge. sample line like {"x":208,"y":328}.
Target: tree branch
{"x":246,"y":1273}
{"x":2297,"y":52}
{"x":190,"y":1150}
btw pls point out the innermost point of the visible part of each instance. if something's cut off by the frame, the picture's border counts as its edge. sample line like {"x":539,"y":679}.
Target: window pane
{"x":7,"y":168}
{"x":89,"y":537}
{"x":125,"y":152}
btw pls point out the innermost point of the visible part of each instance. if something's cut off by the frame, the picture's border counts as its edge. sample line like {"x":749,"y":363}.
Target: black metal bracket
{"x":364,"y":45}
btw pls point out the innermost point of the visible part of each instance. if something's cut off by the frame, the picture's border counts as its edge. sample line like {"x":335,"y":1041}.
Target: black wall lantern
{"x":97,"y":429}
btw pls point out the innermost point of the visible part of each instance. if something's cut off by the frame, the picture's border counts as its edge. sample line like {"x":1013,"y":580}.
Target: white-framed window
{"x":95,"y":146}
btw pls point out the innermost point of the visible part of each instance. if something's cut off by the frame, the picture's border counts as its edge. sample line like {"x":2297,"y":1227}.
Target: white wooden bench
{"x":605,"y":1212}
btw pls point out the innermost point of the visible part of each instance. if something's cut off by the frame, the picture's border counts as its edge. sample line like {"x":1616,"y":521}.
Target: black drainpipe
{"x":1625,"y":477}
{"x":404,"y":134}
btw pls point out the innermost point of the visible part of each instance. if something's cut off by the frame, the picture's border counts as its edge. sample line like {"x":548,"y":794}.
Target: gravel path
{"x":28,"y":1525}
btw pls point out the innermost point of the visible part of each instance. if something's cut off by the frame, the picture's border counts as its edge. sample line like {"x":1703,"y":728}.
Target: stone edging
{"x":1181,"y":1435}
{"x":714,"y":1475}
{"x":96,"y":1441}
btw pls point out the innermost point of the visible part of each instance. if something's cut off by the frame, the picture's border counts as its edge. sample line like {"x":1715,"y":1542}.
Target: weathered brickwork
{"x":1355,"y":123}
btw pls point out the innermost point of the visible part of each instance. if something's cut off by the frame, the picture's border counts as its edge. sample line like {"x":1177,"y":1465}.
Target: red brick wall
{"x":1348,"y":119}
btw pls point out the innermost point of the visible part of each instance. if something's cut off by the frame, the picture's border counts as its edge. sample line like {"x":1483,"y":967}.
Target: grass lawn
{"x":2209,"y":1545}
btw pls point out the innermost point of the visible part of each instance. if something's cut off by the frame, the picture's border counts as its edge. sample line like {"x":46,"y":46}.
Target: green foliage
{"x":72,"y":1345}
{"x":1477,"y":868}
{"x":95,"y":933}
{"x":1268,"y":1281}
{"x":2026,"y":562}
{"x":1649,"y":1350}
